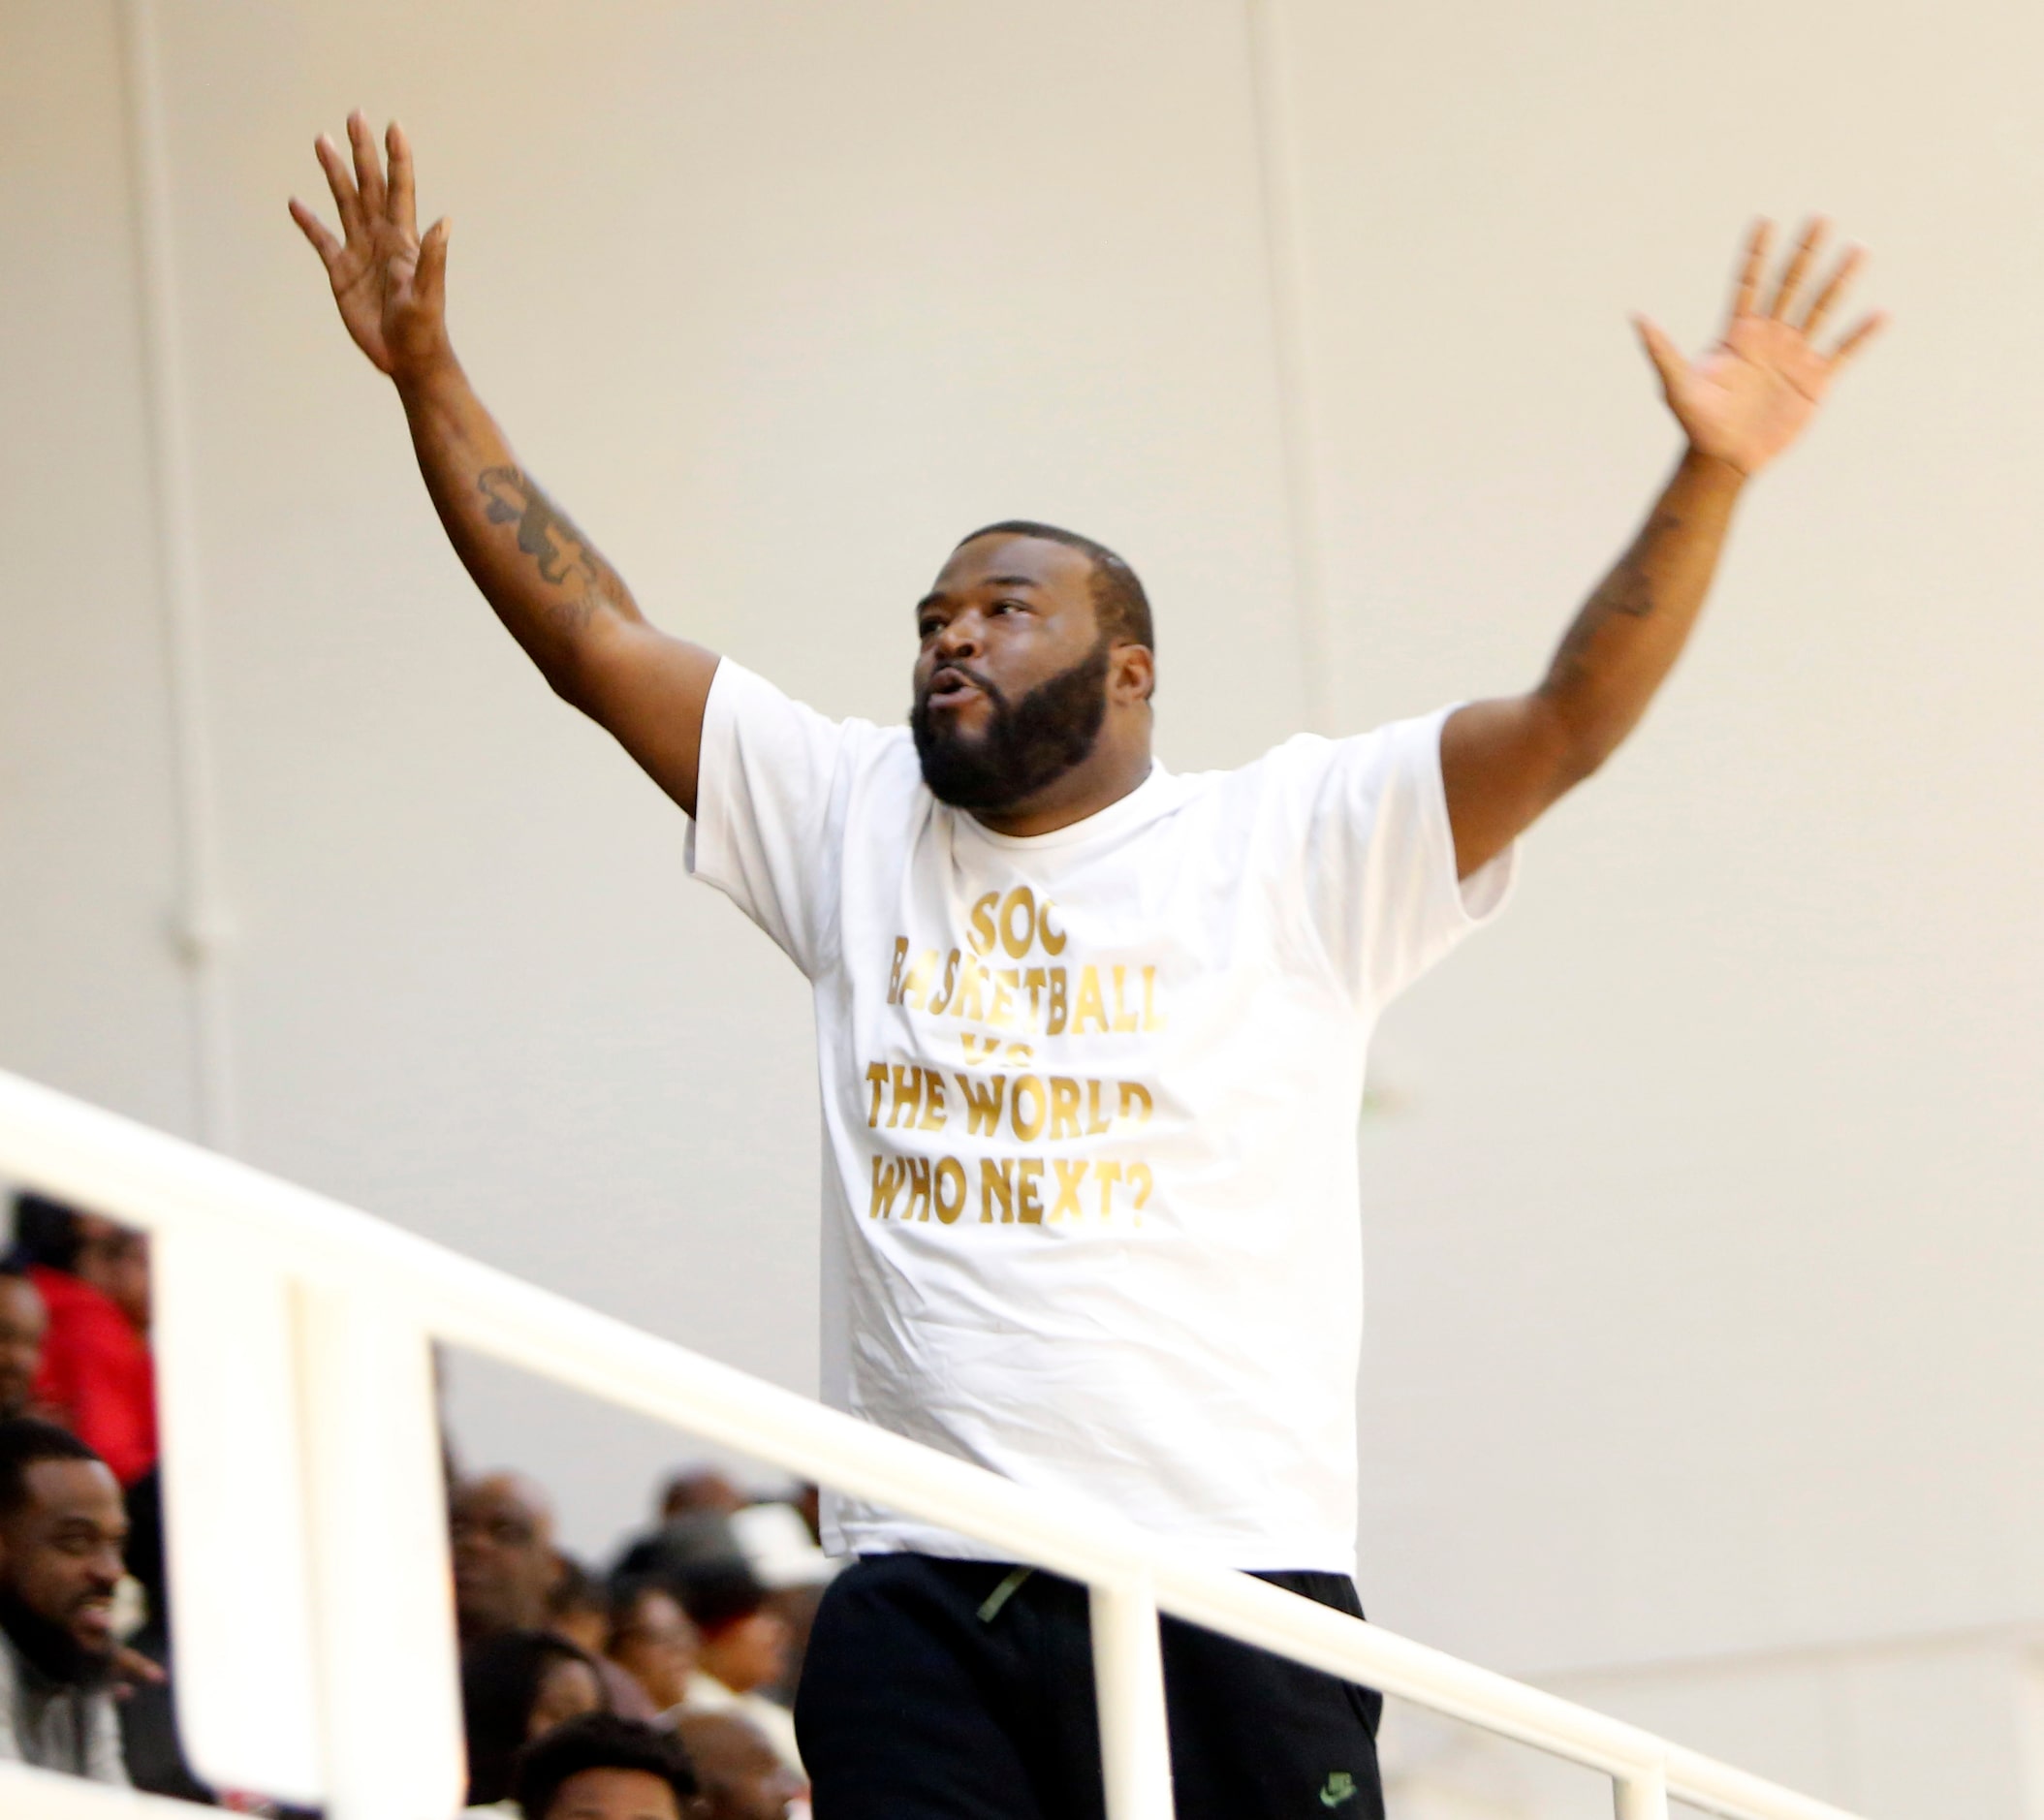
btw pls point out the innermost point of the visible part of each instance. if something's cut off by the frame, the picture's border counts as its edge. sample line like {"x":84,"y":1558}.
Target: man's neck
{"x":1081,"y":793}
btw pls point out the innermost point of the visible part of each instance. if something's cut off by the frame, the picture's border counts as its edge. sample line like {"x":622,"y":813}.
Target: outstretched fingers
{"x":430,"y":282}
{"x":400,"y":209}
{"x":369,"y":167}
{"x":341,"y":182}
{"x":1825,"y":300}
{"x":1667,"y":358}
{"x":1798,"y":267}
{"x":323,"y":243}
{"x":1745,"y":293}
{"x":1863,"y":332}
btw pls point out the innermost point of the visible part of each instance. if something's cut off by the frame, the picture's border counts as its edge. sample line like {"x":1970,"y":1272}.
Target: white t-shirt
{"x":1090,"y":1102}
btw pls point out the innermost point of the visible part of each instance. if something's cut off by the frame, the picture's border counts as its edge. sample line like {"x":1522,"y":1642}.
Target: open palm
{"x":1749,"y":397}
{"x":390,"y":284}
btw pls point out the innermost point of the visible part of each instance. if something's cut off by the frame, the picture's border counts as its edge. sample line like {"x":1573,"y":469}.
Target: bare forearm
{"x":1633,"y":627}
{"x":544,"y":579}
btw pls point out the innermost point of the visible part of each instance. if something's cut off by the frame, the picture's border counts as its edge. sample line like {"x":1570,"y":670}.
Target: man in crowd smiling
{"x":62,"y":1526}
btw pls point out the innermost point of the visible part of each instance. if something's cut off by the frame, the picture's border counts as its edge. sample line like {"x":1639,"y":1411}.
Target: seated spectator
{"x":604,"y":1768}
{"x":515,"y":1686}
{"x":505,"y":1567}
{"x":23,"y":1322}
{"x":61,"y":1531}
{"x":577,"y":1608}
{"x":744,"y":1649}
{"x":777,"y":1545}
{"x":740,"y":1774}
{"x":97,"y":1376}
{"x":700,"y":1488}
{"x":580,"y":1610}
{"x":653,"y":1639}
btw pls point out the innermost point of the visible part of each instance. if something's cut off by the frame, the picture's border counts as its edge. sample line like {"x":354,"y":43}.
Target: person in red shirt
{"x":97,"y":1377}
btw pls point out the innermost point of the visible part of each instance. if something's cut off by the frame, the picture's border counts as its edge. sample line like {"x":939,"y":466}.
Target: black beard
{"x":50,"y":1647}
{"x":1028,"y":743}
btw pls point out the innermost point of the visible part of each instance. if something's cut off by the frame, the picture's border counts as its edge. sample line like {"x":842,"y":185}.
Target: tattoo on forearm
{"x":1627,"y":593}
{"x":545,"y":533}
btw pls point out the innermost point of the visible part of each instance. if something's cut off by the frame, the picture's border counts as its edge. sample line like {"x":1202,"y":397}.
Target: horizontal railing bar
{"x":44,"y":1795}
{"x":119,"y":1166}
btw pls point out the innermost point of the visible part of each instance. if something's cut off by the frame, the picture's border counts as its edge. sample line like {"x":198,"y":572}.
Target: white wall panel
{"x":90,"y":995}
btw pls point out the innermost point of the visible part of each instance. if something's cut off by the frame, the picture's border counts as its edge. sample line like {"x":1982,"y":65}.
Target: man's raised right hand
{"x":390,"y":284}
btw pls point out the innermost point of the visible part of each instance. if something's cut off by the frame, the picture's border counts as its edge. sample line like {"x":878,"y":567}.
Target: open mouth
{"x":949,"y":686}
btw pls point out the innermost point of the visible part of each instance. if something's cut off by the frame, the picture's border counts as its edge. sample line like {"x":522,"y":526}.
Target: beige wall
{"x":1703,"y":1228}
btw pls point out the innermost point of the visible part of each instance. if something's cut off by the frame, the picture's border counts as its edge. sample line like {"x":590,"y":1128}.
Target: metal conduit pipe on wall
{"x":201,"y":927}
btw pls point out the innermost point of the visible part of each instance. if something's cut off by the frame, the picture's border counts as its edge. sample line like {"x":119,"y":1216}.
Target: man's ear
{"x":1132,"y":672}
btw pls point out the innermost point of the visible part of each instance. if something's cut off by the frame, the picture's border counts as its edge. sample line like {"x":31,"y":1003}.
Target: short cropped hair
{"x":27,"y":1441}
{"x":46,"y":1232}
{"x":598,"y":1740}
{"x":1121,"y":607}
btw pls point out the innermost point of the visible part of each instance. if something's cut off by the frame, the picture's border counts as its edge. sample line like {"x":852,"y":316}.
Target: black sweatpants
{"x":960,"y":1690}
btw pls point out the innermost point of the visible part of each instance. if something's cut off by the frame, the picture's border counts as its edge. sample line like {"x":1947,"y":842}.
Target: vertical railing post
{"x":1128,"y":1680}
{"x":1643,"y":1795}
{"x":390,"y":1690}
{"x":235,"y":1516}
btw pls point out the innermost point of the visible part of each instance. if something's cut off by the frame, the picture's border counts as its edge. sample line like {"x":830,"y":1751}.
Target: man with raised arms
{"x":1091,"y":1040}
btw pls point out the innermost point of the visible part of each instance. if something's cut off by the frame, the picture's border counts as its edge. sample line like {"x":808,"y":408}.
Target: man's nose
{"x":960,"y":637}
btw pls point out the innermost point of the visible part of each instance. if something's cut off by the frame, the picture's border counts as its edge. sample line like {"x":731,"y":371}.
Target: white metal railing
{"x":307,"y":1532}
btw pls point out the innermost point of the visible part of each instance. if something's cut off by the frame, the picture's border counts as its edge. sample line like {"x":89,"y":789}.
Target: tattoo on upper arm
{"x":548,"y":535}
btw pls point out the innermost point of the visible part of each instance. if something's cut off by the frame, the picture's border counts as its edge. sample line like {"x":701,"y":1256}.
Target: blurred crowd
{"x":658,"y":1683}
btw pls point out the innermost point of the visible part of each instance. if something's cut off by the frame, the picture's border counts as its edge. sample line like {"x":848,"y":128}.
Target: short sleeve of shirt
{"x":770,"y":799}
{"x":1377,"y":855}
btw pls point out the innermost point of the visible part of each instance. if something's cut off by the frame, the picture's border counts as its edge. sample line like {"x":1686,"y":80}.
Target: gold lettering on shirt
{"x":950,"y":1189}
{"x":998,"y":1012}
{"x":996,"y":1179}
{"x":908,"y":1096}
{"x":1029,"y":1205}
{"x":1107,"y":1174}
{"x":917,"y":985}
{"x":1064,"y":1108}
{"x":1089,"y":1003}
{"x":1095,"y":1121}
{"x":888,"y":1176}
{"x":1027,"y":1126}
{"x":967,"y":1004}
{"x":951,"y":974}
{"x":1069,"y":1177}
{"x":1052,"y":939}
{"x":982,"y":919}
{"x":1018,"y":941}
{"x":1124,"y":1016}
{"x":982,"y":1103}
